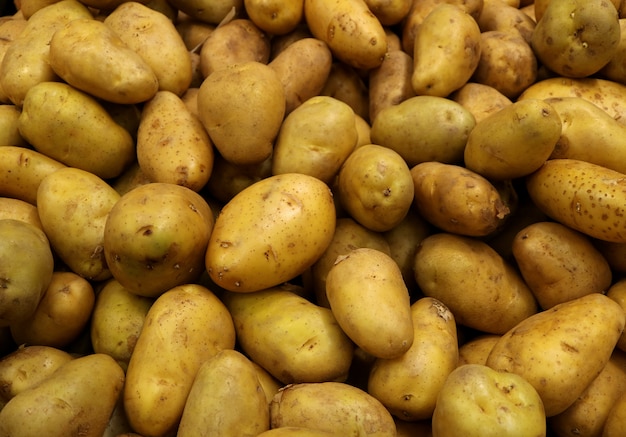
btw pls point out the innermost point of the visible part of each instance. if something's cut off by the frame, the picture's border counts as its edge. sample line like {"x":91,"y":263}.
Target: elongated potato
{"x":586,"y":197}
{"x":390,"y":83}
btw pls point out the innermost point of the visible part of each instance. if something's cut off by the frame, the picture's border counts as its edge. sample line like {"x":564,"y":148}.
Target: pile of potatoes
{"x":313,"y":218}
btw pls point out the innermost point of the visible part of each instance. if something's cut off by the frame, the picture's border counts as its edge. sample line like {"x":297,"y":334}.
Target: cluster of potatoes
{"x":313,"y":218}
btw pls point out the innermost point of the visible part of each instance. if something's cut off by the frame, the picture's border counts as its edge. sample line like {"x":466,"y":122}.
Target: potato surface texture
{"x":288,"y":222}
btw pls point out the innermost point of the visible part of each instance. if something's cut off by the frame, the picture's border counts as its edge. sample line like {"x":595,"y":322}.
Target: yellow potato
{"x":336,"y":407}
{"x":312,"y":349}
{"x":389,"y":12}
{"x":184,"y":327}
{"x":390,"y":83}
{"x":353,"y":33}
{"x":615,"y":69}
{"x":408,"y":385}
{"x":288,"y":224}
{"x":208,"y":11}
{"x":172,"y":144}
{"x":559,"y":264}
{"x":483,"y":291}
{"x":72,"y":127}
{"x":506,"y":16}
{"x":9,"y":132}
{"x":586,"y":197}
{"x":193,"y":32}
{"x":617,"y":292}
{"x":480,"y":100}
{"x":344,"y":83}
{"x":560,"y":351}
{"x":614,"y":424}
{"x":476,"y":350}
{"x":154,"y":37}
{"x":276,"y":17}
{"x":11,"y":208}
{"x":514,"y":141}
{"x":10,"y":28}
{"x":228,"y":179}
{"x":269,"y":384}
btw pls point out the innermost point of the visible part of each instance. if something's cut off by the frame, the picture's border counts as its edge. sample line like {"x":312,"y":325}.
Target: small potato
{"x":242,"y":108}
{"x":154,"y":37}
{"x":505,"y":17}
{"x":586,"y":197}
{"x":72,"y":127}
{"x":193,"y":32}
{"x":235,"y":42}
{"x":276,"y":17}
{"x":289,"y":221}
{"x":11,"y":208}
{"x":456,"y":199}
{"x":408,"y":385}
{"x":9,"y":132}
{"x":390,"y":83}
{"x":336,"y":407}
{"x":514,"y":141}
{"x":172,"y":144}
{"x":344,"y":83}
{"x":91,"y":56}
{"x":480,"y":100}
{"x":208,"y":11}
{"x":353,"y":33}
{"x":313,"y":349}
{"x":559,"y":264}
{"x":483,"y":291}
{"x":228,"y":179}
{"x":476,"y":350}
{"x":560,"y":351}
{"x":62,"y":313}
{"x":184,"y":327}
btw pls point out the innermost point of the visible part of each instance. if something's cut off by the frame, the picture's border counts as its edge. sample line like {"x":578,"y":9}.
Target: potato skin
{"x":480,"y":100}
{"x":390,"y":83}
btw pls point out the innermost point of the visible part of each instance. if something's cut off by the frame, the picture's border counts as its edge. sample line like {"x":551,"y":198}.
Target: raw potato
{"x":615,"y":69}
{"x":228,"y":179}
{"x":617,"y":292}
{"x":586,"y":197}
{"x":476,"y":350}
{"x":559,"y":264}
{"x":614,"y":424}
{"x":9,"y":132}
{"x":77,"y":399}
{"x":560,"y":351}
{"x":353,"y":33}
{"x":345,"y":83}
{"x":227,"y":378}
{"x":458,"y":200}
{"x":408,"y":385}
{"x":477,"y":401}
{"x":371,"y":303}
{"x":242,"y":108}
{"x":313,"y":349}
{"x":446,"y":51}
{"x":331,"y":406}
{"x":514,"y":141}
{"x":424,"y":128}
{"x":72,"y":127}
{"x":506,"y":17}
{"x":271,"y":232}
{"x":208,"y":11}
{"x":480,"y":100}
{"x":185,"y":326}
{"x":576,"y":38}
{"x":155,"y":237}
{"x":482,"y":290}
{"x":26,"y":266}
{"x":389,"y":12}
{"x":375,"y":187}
{"x":90,"y":56}
{"x":390,"y":83}
{"x":11,"y":208}
{"x":276,"y":17}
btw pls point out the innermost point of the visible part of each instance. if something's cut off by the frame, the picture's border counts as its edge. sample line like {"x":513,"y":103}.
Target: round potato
{"x":480,"y":100}
{"x":11,"y":208}
{"x":389,"y":12}
{"x":476,"y":350}
{"x":276,"y":17}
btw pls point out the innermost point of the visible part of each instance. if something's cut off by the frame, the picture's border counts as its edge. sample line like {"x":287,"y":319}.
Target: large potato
{"x":560,"y":351}
{"x":184,"y":327}
{"x":288,"y":222}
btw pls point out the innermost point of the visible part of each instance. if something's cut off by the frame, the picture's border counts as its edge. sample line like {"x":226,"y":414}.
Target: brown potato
{"x":390,"y":83}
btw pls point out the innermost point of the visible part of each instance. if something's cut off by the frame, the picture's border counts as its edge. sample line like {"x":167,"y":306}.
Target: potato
{"x":88,"y":139}
{"x":172,"y":144}
{"x":227,"y":378}
{"x":62,"y":314}
{"x":445,"y":56}
{"x":355,"y":36}
{"x":289,"y":222}
{"x":193,"y":32}
{"x":17,"y":209}
{"x":390,"y":83}
{"x":303,"y":68}
{"x":184,"y":327}
{"x":584,"y":196}
{"x":22,"y":170}
{"x":614,"y":424}
{"x":336,"y":407}
{"x":235,"y":42}
{"x":615,"y":69}
{"x":228,"y":179}
{"x":482,"y":290}
{"x":560,"y":351}
{"x":617,"y":292}
{"x":476,"y":350}
{"x":559,"y":264}
{"x":480,"y":100}
{"x":276,"y":17}
{"x":513,"y":142}
{"x":10,"y":28}
{"x":243,"y":124}
{"x":389,"y":12}
{"x":155,"y":237}
{"x":507,"y":17}
{"x":77,"y":399}
{"x":344,"y":83}
{"x":313,"y":349}
{"x":408,"y":385}
{"x":457,"y":200}
{"x":89,"y":55}
{"x":507,"y":63}
{"x":587,"y":415}
{"x":27,"y":366}
{"x":208,"y":11}
{"x":614,"y":253}
{"x":26,"y":266}
{"x":9,"y":132}
{"x":315,"y":138}
{"x":73,"y":206}
{"x":269,"y":384}
{"x":154,"y":37}
{"x":576,"y":38}
{"x":25,"y":63}
{"x":478,"y":401}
